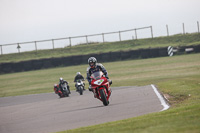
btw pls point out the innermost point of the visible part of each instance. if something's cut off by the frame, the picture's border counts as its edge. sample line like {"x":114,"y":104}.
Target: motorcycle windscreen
{"x":97,"y":75}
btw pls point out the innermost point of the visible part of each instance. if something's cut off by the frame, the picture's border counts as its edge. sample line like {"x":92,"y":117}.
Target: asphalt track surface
{"x":43,"y":113}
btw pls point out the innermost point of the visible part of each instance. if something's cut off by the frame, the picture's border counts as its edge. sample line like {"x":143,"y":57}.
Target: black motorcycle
{"x":64,"y":92}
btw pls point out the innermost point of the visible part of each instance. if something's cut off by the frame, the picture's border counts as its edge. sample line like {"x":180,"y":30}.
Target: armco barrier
{"x":135,"y":54}
{"x":82,"y":59}
{"x":27,"y":66}
{"x":47,"y":63}
{"x":197,"y":48}
{"x":154,"y":52}
{"x":17,"y":67}
{"x":125,"y":55}
{"x":115,"y":56}
{"x":6,"y":67}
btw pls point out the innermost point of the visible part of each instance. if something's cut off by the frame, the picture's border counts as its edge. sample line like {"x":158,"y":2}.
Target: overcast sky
{"x":30,"y":20}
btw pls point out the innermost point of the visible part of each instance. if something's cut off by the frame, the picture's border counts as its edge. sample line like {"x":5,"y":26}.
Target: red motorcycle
{"x":62,"y":93}
{"x":101,"y":87}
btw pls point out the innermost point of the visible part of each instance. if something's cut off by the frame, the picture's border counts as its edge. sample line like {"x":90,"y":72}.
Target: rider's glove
{"x":110,"y":81}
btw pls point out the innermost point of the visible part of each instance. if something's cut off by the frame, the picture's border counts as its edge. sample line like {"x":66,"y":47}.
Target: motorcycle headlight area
{"x":99,"y":82}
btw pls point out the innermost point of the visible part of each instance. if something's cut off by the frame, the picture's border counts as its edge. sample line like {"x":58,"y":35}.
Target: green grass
{"x":176,"y":40}
{"x":177,"y":77}
{"x":126,"y":73}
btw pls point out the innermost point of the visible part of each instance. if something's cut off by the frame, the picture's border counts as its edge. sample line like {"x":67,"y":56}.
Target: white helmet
{"x":78,"y":73}
{"x":61,"y":80}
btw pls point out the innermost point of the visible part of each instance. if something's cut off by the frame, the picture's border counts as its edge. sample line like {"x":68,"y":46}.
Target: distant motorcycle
{"x":80,"y":86}
{"x":101,"y":86}
{"x":63,"y":91}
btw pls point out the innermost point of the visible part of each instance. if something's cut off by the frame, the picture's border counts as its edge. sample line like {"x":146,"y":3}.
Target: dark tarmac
{"x":43,"y":113}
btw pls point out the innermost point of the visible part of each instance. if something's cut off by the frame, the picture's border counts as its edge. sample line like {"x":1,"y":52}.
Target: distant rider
{"x":79,"y":77}
{"x":56,"y":88}
{"x":95,"y":67}
{"x":63,"y":82}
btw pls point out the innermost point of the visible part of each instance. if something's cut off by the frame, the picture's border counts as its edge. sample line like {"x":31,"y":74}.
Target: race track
{"x":48,"y":113}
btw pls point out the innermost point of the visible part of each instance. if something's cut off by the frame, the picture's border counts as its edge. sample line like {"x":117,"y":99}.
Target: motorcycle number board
{"x":99,"y":82}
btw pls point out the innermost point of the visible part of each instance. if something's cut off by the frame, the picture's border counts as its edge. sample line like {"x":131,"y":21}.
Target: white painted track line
{"x":162,"y":100}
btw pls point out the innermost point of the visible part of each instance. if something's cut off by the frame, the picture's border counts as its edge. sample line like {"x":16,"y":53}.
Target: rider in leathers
{"x":95,"y":67}
{"x":56,"y":88}
{"x":61,"y":83}
{"x":79,"y":77}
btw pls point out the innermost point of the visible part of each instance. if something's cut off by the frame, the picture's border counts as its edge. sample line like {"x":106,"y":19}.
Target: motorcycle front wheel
{"x":80,"y":88}
{"x":103,"y":97}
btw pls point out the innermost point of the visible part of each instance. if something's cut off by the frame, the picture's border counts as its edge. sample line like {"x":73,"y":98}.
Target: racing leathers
{"x":79,"y":77}
{"x":63,"y":82}
{"x":56,"y":88}
{"x":90,"y":71}
{"x":98,"y":67}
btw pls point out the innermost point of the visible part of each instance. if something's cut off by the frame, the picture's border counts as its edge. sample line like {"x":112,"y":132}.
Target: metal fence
{"x":71,"y":41}
{"x":50,"y":44}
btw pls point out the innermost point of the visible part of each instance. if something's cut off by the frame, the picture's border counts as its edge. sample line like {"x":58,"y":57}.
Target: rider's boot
{"x":110,"y":91}
{"x":84,"y":86}
{"x":90,"y":88}
{"x":69,"y":89}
